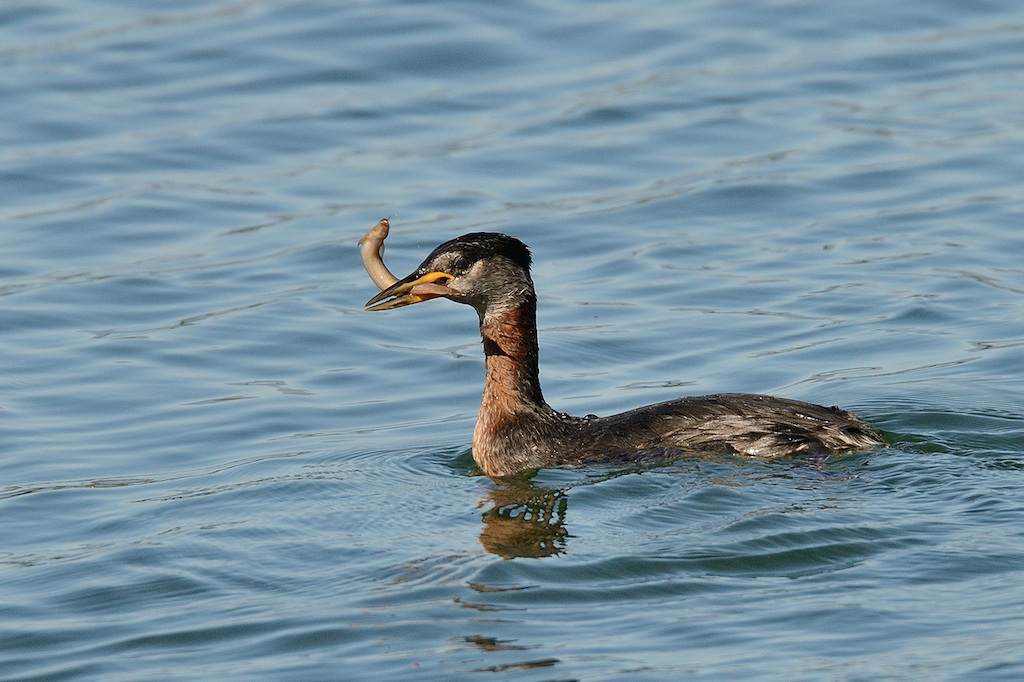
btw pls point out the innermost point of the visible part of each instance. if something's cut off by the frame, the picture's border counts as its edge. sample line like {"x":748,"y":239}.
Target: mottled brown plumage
{"x":517,"y":430}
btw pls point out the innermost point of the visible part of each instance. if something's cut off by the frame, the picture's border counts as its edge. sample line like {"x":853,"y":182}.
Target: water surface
{"x":216,"y":466}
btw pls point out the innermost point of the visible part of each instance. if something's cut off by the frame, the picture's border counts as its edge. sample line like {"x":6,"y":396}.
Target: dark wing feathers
{"x":755,"y":425}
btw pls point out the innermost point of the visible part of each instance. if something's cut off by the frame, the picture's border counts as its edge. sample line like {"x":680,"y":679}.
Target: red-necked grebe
{"x":516,"y":430}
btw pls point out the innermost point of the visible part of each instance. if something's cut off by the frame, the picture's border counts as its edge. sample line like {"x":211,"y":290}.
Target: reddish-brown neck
{"x":512,"y":396}
{"x":510,"y":351}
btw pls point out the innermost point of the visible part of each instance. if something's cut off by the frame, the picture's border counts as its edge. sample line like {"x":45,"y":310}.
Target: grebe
{"x":517,"y":431}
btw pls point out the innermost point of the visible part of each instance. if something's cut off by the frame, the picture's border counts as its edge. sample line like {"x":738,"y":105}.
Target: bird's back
{"x":753,"y":425}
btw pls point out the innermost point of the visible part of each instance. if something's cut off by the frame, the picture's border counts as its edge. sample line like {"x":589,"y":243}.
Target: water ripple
{"x":216,"y":465}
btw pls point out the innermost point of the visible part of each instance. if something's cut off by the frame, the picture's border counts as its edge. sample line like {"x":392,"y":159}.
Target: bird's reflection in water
{"x":524,"y":520}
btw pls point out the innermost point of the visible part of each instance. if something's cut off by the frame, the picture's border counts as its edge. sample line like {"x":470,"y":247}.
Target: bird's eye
{"x":462,"y":264}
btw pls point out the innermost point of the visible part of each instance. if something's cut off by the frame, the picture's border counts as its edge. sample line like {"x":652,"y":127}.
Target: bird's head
{"x":487,"y":270}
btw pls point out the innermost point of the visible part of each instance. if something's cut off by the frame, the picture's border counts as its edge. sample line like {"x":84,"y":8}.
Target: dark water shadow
{"x":524,"y":520}
{"x":521,"y":518}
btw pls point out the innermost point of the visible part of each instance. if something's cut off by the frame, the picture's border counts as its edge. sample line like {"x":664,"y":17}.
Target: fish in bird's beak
{"x":415,"y":288}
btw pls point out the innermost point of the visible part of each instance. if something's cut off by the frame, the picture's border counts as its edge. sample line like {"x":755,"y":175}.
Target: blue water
{"x":214,"y":465}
